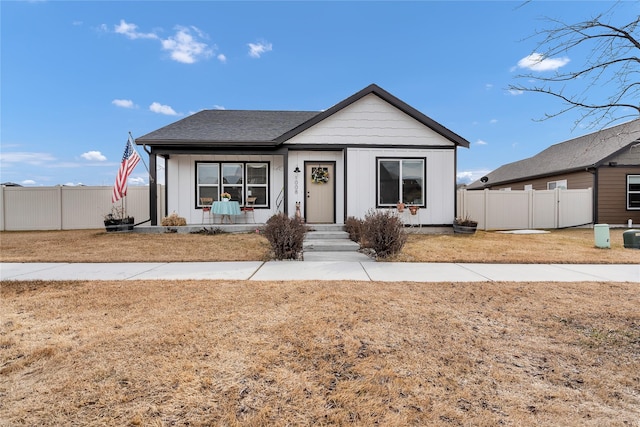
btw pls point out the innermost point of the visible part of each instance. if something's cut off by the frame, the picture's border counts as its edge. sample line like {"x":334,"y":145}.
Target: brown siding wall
{"x":575,"y":181}
{"x":612,"y":195}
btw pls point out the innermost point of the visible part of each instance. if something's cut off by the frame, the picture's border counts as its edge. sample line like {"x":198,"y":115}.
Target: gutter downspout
{"x":593,"y":170}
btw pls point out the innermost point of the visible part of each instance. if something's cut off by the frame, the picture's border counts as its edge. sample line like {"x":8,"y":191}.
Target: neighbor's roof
{"x":572,"y":155}
{"x":269,"y":128}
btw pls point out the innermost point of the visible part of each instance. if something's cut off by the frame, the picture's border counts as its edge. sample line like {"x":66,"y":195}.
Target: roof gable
{"x":586,"y":151}
{"x":386,"y":96}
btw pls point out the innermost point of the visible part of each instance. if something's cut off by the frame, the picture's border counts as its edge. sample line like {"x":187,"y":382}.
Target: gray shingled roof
{"x":575,"y":154}
{"x":269,"y":128}
{"x":229,"y":126}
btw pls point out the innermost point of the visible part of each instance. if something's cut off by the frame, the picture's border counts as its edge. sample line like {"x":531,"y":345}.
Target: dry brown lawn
{"x":319,"y":353}
{"x":230,"y":353}
{"x":559,"y":246}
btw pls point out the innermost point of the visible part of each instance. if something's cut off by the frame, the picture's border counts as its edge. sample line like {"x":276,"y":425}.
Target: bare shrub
{"x":353,"y":226}
{"x":173,"y":220}
{"x":383,"y":232}
{"x":286,"y":236}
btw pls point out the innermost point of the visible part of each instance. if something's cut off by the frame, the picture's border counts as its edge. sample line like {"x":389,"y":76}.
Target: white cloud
{"x":515,"y":92}
{"x":481,"y":142}
{"x":136,"y":181}
{"x":124,"y":103}
{"x":537,"y":62}
{"x":488,"y":86}
{"x":185,"y":48}
{"x":493,"y":121}
{"x":222,"y":58}
{"x":28,"y":182}
{"x":94,"y":156}
{"x":28,"y":158}
{"x":156,"y":107}
{"x":218,"y":107}
{"x":257,"y":49}
{"x":467,"y":177}
{"x":131,"y":31}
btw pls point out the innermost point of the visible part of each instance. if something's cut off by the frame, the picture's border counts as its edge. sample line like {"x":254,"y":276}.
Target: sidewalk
{"x":323,"y":270}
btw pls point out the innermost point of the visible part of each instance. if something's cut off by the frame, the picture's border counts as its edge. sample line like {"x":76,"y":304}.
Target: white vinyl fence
{"x":69,"y":208}
{"x":532,"y":209}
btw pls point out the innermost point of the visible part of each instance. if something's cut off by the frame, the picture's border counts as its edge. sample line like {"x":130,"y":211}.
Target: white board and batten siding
{"x":297,"y":192}
{"x":370,"y":121}
{"x":181,"y":173}
{"x":440,"y":182}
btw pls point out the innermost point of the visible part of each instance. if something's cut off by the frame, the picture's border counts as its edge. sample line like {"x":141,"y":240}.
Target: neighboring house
{"x":367,"y":152}
{"x":607,"y":161}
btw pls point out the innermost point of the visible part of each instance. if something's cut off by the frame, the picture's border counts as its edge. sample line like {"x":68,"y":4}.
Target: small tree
{"x":383,"y":232}
{"x":286,"y":236}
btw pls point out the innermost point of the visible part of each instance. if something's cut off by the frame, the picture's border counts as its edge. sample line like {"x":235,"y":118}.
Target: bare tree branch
{"x":612,"y":64}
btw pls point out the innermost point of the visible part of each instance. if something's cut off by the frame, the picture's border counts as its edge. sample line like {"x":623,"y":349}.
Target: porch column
{"x":153,"y":190}
{"x":285,"y":163}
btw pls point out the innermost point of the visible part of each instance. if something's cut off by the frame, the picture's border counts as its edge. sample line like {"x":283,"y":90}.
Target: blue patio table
{"x":226,"y":209}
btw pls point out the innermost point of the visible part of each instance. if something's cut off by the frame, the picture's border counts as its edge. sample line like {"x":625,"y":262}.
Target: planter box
{"x":464,"y":229}
{"x":125,"y":224}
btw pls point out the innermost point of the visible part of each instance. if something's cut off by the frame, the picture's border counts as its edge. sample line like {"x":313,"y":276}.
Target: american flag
{"x":130,"y":159}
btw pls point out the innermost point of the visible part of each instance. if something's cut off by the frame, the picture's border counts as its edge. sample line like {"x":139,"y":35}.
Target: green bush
{"x":353,"y":226}
{"x":286,"y":236}
{"x":383,"y":232}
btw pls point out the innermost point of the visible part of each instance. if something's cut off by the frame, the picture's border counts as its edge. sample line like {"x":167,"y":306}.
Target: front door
{"x":320,"y":185}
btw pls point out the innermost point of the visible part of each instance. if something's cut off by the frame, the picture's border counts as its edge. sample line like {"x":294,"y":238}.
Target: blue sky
{"x":76,"y":77}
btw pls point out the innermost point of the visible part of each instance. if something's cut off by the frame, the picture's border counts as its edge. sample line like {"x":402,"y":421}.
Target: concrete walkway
{"x":323,"y":270}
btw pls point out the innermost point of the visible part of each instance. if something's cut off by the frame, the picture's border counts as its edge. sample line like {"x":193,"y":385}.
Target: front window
{"x":633,"y":192}
{"x":239,"y":179}
{"x":401,"y":180}
{"x":561,"y":184}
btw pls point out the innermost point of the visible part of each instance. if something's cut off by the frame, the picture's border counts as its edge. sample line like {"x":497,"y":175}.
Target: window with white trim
{"x":240,"y":179}
{"x":633,"y":192}
{"x":401,"y":180}
{"x":552,"y":185}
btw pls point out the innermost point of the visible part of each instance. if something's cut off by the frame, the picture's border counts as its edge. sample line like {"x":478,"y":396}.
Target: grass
{"x":201,"y":353}
{"x":230,"y":353}
{"x":559,"y":246}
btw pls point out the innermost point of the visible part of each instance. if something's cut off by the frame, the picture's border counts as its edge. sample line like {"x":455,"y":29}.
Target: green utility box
{"x":631,"y":239}
{"x":601,"y":232}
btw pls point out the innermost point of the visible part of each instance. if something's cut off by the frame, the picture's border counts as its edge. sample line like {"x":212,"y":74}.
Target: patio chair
{"x":206,"y":203}
{"x":249,"y":208}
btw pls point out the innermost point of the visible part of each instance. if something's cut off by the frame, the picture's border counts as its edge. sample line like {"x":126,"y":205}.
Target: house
{"x":369,"y":151}
{"x":608,"y":161}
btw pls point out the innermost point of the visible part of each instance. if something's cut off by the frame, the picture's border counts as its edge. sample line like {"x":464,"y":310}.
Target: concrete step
{"x":325,"y":227}
{"x":337,"y":234}
{"x":329,"y":245}
{"x":337,"y":257}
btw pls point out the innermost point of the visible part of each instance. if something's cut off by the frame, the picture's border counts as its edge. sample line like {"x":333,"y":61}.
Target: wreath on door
{"x":320,"y":175}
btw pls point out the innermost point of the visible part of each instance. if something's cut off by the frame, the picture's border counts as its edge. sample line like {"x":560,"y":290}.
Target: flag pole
{"x":142,"y":158}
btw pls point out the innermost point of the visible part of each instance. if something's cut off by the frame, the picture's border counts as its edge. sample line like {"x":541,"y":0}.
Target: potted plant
{"x":464,"y":225}
{"x":400,"y":206}
{"x":225,"y":197}
{"x":118,"y":220}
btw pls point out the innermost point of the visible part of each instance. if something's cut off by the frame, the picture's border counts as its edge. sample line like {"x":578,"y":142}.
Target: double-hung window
{"x":633,"y":192}
{"x":240,"y":179}
{"x":401,"y":180}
